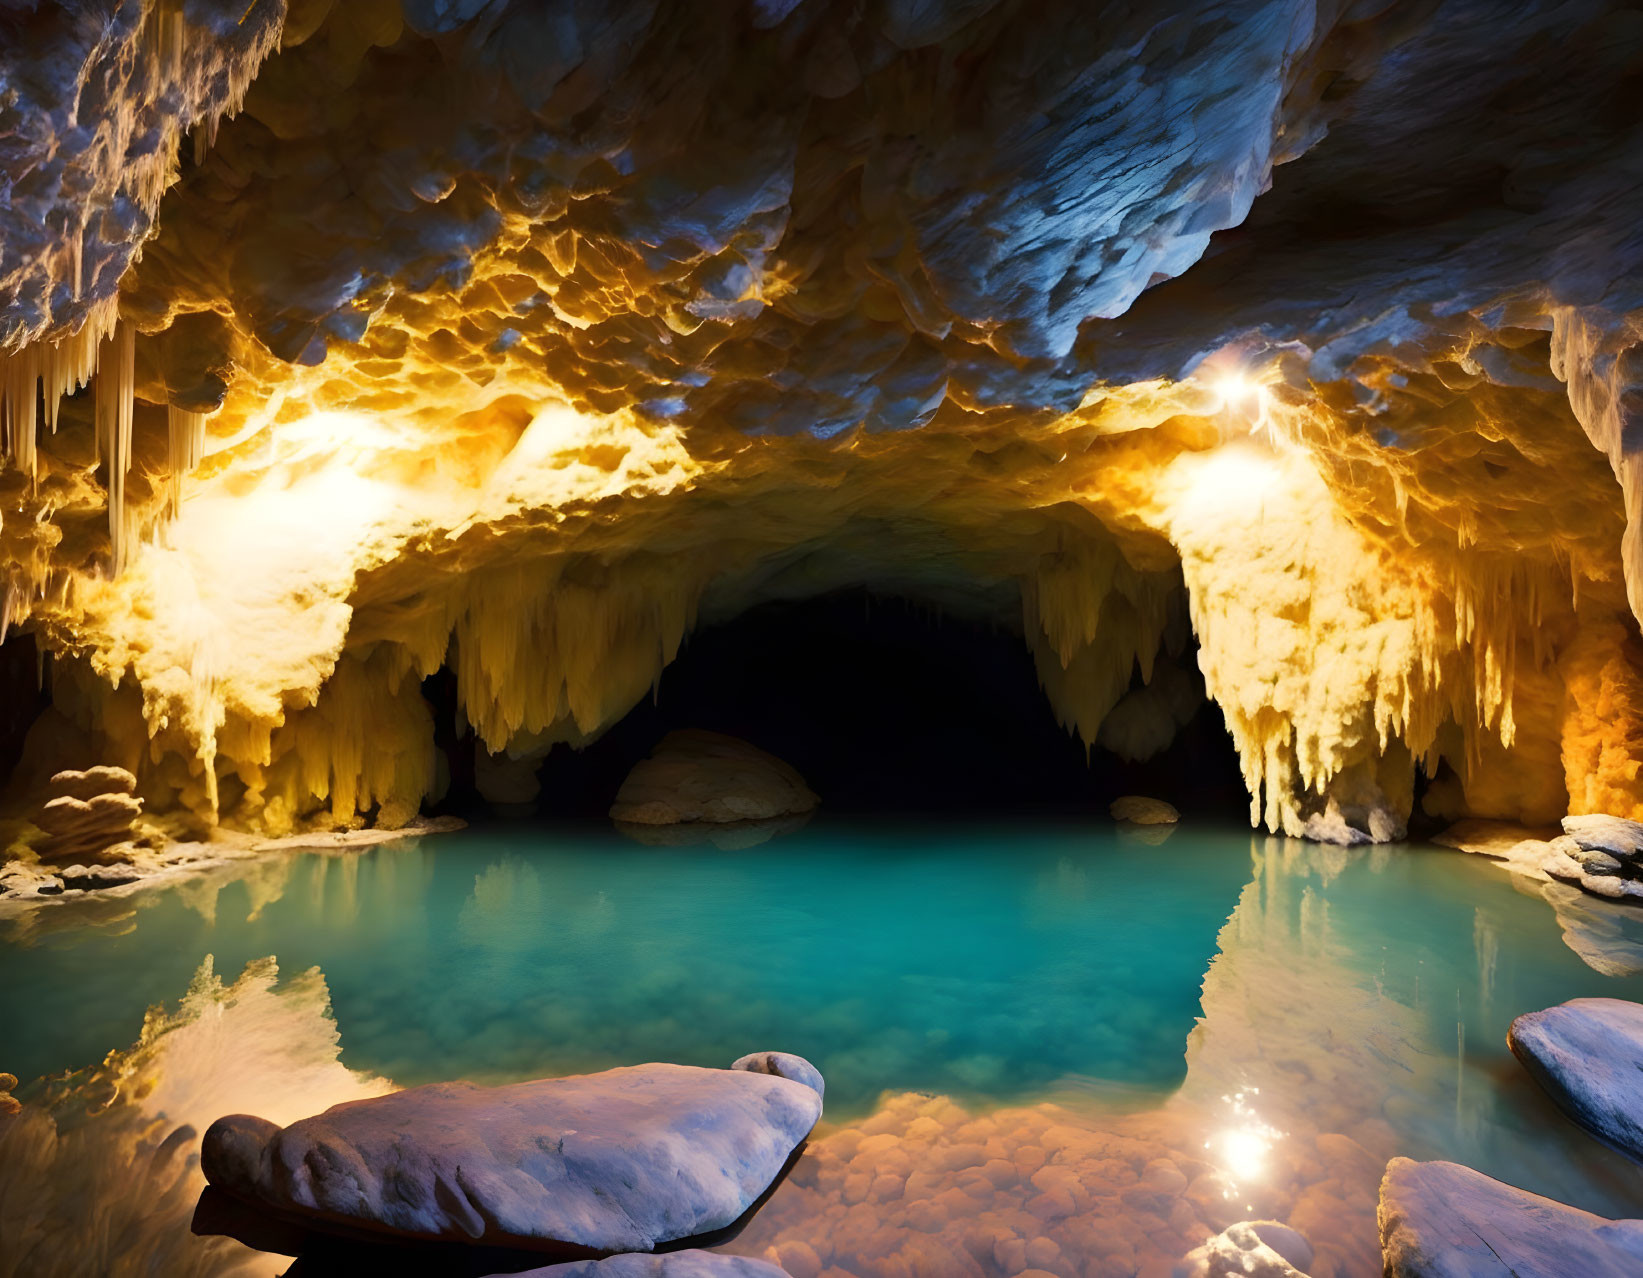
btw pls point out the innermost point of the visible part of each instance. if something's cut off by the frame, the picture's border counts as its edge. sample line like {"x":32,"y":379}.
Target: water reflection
{"x":99,"y":1169}
{"x":1341,"y":1006}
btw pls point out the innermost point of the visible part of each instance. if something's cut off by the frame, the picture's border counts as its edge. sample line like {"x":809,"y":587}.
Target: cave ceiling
{"x":381,"y":335}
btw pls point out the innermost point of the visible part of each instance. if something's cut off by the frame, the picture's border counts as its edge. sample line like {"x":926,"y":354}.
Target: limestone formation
{"x":1441,"y":1220}
{"x":1250,"y":349}
{"x":1614,"y":837}
{"x":89,"y":814}
{"x":1143,"y":811}
{"x":624,"y":1160}
{"x":1249,"y":1249}
{"x":1588,"y":1054}
{"x":708,"y":777}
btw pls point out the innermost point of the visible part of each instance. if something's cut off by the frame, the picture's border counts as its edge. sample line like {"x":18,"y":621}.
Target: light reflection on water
{"x":1142,"y":1044}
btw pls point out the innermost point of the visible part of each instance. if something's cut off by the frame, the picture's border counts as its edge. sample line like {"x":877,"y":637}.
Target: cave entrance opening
{"x":885,"y":706}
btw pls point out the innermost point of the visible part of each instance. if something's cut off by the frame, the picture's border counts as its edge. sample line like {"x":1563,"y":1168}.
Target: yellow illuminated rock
{"x":461,"y":339}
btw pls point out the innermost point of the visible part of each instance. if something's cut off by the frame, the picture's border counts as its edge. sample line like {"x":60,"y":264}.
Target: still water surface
{"x":1263,"y":995}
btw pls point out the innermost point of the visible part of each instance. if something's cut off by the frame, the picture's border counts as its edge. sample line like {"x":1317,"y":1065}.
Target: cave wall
{"x":518,"y":338}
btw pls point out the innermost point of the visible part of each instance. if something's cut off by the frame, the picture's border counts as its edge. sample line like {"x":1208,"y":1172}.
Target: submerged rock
{"x":1249,"y":1249}
{"x":623,"y":1160}
{"x":673,"y":1264}
{"x":1143,"y":811}
{"x":694,"y":775}
{"x":1588,"y":1056}
{"x":1442,"y":1220}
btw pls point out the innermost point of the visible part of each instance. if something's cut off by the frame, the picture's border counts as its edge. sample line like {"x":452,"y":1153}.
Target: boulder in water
{"x":1141,"y":810}
{"x":1588,"y":1056}
{"x":1442,"y":1220}
{"x":706,"y":776}
{"x":1615,"y":836}
{"x":624,"y":1160}
{"x":1249,"y":1249}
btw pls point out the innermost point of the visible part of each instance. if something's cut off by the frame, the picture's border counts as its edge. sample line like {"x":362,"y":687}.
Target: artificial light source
{"x":1235,"y":390}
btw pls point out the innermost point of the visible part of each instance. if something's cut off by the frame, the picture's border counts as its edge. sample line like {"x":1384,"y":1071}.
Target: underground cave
{"x":821,"y":639}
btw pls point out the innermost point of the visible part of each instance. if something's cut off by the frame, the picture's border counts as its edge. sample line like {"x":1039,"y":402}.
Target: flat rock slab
{"x":1442,"y":1220}
{"x":675,"y":1264}
{"x":1588,"y":1056}
{"x":613,"y":1162}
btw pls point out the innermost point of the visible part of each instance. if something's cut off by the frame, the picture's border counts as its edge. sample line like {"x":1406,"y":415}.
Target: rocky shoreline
{"x":26,"y":884}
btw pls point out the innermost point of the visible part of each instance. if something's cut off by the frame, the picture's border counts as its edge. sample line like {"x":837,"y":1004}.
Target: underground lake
{"x":821,"y":638}
{"x":1205,"y":1026}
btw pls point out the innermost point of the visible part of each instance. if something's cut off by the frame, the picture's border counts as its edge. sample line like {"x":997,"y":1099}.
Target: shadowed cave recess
{"x":884,"y":706}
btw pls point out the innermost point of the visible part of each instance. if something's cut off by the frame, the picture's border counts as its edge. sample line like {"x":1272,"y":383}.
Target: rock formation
{"x":1250,"y":1249}
{"x":340,"y":343}
{"x":1440,"y":1219}
{"x":696,"y":776}
{"x":1587,"y":1054}
{"x":620,"y":1161}
{"x":1143,"y":811}
{"x":88,"y":815}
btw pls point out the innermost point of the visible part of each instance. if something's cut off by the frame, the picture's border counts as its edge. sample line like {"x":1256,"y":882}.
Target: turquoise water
{"x":982,"y":963}
{"x":997,"y":965}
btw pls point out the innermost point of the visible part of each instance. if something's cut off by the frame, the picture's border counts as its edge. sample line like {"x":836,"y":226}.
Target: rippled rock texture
{"x":518,"y":339}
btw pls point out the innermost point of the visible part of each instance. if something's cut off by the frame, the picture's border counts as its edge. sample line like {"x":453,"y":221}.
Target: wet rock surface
{"x":1588,"y":1056}
{"x":1441,"y":1220}
{"x":1250,"y":1249}
{"x":624,"y":1160}
{"x":697,"y":776}
{"x":1601,"y":855}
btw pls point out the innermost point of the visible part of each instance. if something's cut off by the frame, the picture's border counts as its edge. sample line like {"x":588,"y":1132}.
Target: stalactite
{"x":1597,"y":357}
{"x":1091,"y":620}
{"x":45,"y":371}
{"x":22,"y":397}
{"x":115,"y":408}
{"x":187,"y":446}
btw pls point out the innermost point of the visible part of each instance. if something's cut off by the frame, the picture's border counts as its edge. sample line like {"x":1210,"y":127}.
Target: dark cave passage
{"x":884,"y":707}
